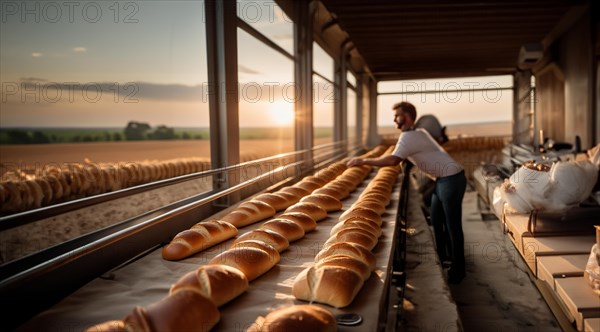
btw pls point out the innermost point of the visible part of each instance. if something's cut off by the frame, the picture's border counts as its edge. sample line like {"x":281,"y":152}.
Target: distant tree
{"x":198,"y":136}
{"x":136,"y":131}
{"x":76,"y":138}
{"x":117,"y":137}
{"x":107,"y":136}
{"x":17,"y":136}
{"x":39,"y":138}
{"x":163,"y":132}
{"x":186,"y":135}
{"x":87,"y":138}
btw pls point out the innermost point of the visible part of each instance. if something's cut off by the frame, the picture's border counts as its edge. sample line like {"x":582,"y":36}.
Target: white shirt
{"x":424,"y":152}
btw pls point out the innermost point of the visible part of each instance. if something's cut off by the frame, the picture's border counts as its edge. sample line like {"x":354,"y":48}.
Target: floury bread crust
{"x":199,"y":237}
{"x":296,"y":318}
{"x":219,"y":283}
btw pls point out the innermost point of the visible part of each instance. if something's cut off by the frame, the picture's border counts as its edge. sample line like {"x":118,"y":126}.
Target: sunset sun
{"x":282,"y":113}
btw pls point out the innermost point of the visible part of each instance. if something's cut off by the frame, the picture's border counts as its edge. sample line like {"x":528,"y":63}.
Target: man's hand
{"x":355,"y":162}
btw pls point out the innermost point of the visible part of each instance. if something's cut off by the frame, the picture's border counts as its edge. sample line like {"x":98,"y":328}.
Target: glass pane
{"x":267,"y":93}
{"x":322,"y":62}
{"x":350,"y":78}
{"x":351,"y":104}
{"x":270,"y":20}
{"x":323,"y":109}
{"x":98,"y":96}
{"x":446,"y":84}
{"x":474,"y":113}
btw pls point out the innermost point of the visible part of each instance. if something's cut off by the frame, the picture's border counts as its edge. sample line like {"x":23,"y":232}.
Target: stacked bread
{"x":192,"y":303}
{"x":294,"y":318}
{"x":346,"y":260}
{"x":53,"y":184}
{"x":299,"y":204}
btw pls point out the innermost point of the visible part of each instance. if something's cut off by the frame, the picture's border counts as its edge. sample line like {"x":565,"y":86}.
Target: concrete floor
{"x":496,"y":295}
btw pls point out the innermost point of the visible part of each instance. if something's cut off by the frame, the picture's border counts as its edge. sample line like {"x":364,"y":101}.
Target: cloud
{"x":79,"y":49}
{"x":246,"y":70}
{"x":33,"y":79}
{"x":36,"y":55}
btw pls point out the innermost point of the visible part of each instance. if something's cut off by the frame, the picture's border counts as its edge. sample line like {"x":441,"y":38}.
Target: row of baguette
{"x":335,"y":279}
{"x":21,"y":192}
{"x":193,"y":301}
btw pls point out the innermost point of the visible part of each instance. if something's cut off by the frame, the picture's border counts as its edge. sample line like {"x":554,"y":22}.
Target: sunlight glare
{"x":282,"y":113}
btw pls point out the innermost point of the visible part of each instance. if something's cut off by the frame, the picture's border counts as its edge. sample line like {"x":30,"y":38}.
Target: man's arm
{"x":389,"y":160}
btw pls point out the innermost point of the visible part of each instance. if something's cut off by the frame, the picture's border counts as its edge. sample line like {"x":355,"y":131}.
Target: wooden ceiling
{"x":410,"y":39}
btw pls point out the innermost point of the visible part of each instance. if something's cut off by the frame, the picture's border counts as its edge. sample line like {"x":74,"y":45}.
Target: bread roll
{"x":348,"y":249}
{"x":296,"y":318}
{"x":349,"y":262}
{"x":353,"y":235}
{"x":201,"y":236}
{"x":305,"y":221}
{"x":253,"y":262}
{"x":339,"y":194}
{"x":327,"y":202}
{"x":219,"y":283}
{"x":313,"y":210}
{"x":340,"y":187}
{"x":332,"y":285}
{"x":276,"y":240}
{"x":182,"y":311}
{"x":360,"y":212}
{"x":294,"y":191}
{"x":287,"y":228}
{"x":369,"y":226}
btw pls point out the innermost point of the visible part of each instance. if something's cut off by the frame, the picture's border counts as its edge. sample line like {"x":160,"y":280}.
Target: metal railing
{"x":53,"y":273}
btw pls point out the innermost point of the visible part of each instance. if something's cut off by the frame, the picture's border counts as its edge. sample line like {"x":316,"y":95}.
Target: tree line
{"x":133,"y":131}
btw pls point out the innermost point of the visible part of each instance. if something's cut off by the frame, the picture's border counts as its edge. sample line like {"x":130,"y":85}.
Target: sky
{"x":105,"y":63}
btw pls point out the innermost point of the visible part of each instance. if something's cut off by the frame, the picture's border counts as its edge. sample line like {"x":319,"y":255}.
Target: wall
{"x":576,"y":60}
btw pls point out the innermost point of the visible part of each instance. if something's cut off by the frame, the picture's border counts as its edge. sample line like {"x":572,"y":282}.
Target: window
{"x":467,"y":106}
{"x":107,"y":95}
{"x":323,"y":96}
{"x":267,"y":96}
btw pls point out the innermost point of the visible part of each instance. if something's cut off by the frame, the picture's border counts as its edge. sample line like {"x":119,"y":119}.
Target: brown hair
{"x":408,"y":108}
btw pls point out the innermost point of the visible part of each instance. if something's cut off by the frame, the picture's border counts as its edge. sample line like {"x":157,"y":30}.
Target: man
{"x":446,"y":203}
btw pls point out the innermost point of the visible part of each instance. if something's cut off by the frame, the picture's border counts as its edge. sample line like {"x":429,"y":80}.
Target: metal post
{"x":221,"y":38}
{"x":303,"y":39}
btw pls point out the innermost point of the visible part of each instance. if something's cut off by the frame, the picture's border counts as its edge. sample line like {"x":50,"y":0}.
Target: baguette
{"x":337,"y":193}
{"x":313,"y":210}
{"x":360,"y":212}
{"x":256,"y":244}
{"x":369,"y":204}
{"x":348,"y":249}
{"x":110,"y":326}
{"x":286,"y":228}
{"x":367,"y":225}
{"x":277,"y":201}
{"x":294,"y":191}
{"x":349,"y":262}
{"x":184,"y":310}
{"x":199,"y":237}
{"x":296,"y":318}
{"x":276,"y":240}
{"x":248,"y":213}
{"x":332,"y":285}
{"x":327,"y":202}
{"x":309,"y":186}
{"x":305,"y":221}
{"x":219,"y":283}
{"x":355,"y":235}
{"x":253,"y":262}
